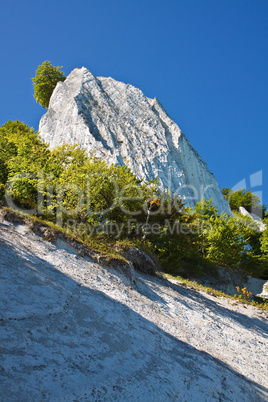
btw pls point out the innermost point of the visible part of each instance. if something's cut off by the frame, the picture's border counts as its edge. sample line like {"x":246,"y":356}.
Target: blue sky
{"x":205,"y":60}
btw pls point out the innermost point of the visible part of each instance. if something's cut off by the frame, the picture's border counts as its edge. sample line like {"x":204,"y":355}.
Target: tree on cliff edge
{"x":44,"y":82}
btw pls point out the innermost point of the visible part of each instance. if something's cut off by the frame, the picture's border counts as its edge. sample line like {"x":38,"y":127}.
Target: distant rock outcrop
{"x":254,"y":217}
{"x":122,"y":126}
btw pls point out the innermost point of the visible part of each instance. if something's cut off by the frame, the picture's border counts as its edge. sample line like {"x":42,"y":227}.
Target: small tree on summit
{"x":44,"y":82}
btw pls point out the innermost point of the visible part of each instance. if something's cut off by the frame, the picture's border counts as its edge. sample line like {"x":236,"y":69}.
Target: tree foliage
{"x":46,"y":78}
{"x":225,"y":241}
{"x":85,"y":189}
{"x":22,"y":152}
{"x":222,"y":235}
{"x":264,"y":239}
{"x":244,"y":198}
{"x":106,"y":189}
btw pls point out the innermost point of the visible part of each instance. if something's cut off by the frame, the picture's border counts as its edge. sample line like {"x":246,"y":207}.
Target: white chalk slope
{"x":72,"y":330}
{"x":121,"y":125}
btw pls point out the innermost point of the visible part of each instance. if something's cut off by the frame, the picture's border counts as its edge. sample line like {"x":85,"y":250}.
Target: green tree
{"x":225,"y":241}
{"x":205,"y":209}
{"x":46,"y":78}
{"x":264,"y":238}
{"x":222,"y":237}
{"x":23,"y":147}
{"x":113,"y":189}
{"x":244,"y":198}
{"x":7,"y":150}
{"x":21,"y":152}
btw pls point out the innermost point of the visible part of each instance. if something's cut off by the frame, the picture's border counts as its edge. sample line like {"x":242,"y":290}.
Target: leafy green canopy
{"x":66,"y":177}
{"x":21,"y":150}
{"x":244,"y":198}
{"x":67,"y":183}
{"x":234,"y":241}
{"x":46,"y":78}
{"x":224,"y":240}
{"x":264,"y":238}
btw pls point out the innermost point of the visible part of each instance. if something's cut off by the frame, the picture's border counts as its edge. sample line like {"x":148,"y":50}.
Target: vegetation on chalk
{"x":244,"y":198}
{"x":93,"y":200}
{"x":108,"y":250}
{"x":246,"y":295}
{"x":244,"y":298}
{"x":46,"y":78}
{"x":109,"y":210}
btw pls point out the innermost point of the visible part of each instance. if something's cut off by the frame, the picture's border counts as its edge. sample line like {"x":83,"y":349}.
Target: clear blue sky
{"x":205,"y":60}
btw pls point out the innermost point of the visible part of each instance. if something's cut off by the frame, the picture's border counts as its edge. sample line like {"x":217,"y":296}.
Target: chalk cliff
{"x":122,"y":126}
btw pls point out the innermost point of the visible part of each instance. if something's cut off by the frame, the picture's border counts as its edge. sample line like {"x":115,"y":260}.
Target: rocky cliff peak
{"x":122,"y":126}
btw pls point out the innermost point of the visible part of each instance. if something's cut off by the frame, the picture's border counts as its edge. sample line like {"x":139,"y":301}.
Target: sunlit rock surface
{"x":74,"y":330}
{"x":122,"y":126}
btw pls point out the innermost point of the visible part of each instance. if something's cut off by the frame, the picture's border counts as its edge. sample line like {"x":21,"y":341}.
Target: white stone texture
{"x":254,"y":217}
{"x":121,"y":125}
{"x":73,"y":330}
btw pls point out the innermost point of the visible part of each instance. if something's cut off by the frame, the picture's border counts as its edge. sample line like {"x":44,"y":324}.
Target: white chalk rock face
{"x":254,"y":217}
{"x":122,"y":126}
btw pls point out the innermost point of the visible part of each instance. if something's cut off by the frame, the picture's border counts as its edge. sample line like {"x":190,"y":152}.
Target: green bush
{"x":246,"y":199}
{"x":46,"y":78}
{"x":73,"y":185}
{"x":2,"y":191}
